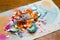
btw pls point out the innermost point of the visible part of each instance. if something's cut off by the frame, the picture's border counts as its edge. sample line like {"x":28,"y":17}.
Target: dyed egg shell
{"x":11,"y":23}
{"x":29,"y":23}
{"x":7,"y":27}
{"x":20,"y":34}
{"x":20,"y":24}
{"x":26,"y":16}
{"x":16,"y":17}
{"x":35,"y":16}
{"x":32,"y":29}
{"x":14,"y":29}
{"x":29,"y":10}
{"x":20,"y":13}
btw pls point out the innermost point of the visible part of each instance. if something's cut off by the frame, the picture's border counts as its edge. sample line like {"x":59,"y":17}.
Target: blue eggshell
{"x":32,"y":29}
{"x":25,"y":16}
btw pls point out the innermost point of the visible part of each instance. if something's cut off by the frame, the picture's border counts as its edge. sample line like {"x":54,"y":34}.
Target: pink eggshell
{"x":40,"y":31}
{"x":37,"y":26}
{"x":7,"y":27}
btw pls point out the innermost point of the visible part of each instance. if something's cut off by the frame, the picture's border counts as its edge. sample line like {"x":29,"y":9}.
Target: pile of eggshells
{"x":23,"y":21}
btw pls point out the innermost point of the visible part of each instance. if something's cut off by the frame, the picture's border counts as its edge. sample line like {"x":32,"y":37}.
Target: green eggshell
{"x":14,"y":29}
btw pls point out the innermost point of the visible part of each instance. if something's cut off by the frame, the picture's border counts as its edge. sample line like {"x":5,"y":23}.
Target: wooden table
{"x":9,"y":4}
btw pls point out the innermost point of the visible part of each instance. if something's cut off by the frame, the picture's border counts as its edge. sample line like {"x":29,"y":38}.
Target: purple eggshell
{"x":11,"y":23}
{"x":15,"y":21}
{"x":20,"y":34}
{"x":37,"y":26}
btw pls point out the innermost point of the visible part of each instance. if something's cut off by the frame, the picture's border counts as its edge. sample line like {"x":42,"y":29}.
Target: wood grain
{"x":52,"y":36}
{"x":57,"y":2}
{"x":10,"y":4}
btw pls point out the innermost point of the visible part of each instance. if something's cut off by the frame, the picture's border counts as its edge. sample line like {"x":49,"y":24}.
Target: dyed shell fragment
{"x":7,"y":27}
{"x":32,"y":29}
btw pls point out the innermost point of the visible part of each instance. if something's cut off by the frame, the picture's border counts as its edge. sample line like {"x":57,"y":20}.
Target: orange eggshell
{"x":29,"y":23}
{"x":16,"y":17}
{"x":29,"y":10}
{"x":35,"y":16}
{"x":20,"y":27}
{"x":20,"y":13}
{"x":20,"y":24}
